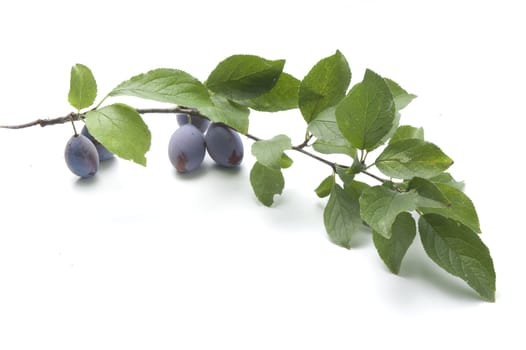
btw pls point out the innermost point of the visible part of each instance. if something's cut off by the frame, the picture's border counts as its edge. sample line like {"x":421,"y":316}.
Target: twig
{"x":46,"y":122}
{"x":374,"y":176}
{"x":179,"y":109}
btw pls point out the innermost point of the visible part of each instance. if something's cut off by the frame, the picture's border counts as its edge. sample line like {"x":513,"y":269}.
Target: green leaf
{"x":241,"y":77}
{"x":404,"y":132}
{"x":325,"y":187}
{"x":227,"y":112}
{"x":324,"y":86}
{"x":379,"y":207}
{"x":461,"y":208}
{"x":329,"y":138}
{"x":356,"y":188}
{"x":392,"y":251}
{"x":446,"y":178}
{"x":340,"y":217}
{"x":121,"y":130}
{"x":82,"y":87}
{"x":459,"y":251}
{"x":286,"y":161}
{"x":266,"y":182}
{"x":408,"y":158}
{"x":166,"y":85}
{"x":391,"y":132}
{"x":269,"y":152}
{"x":401,"y":97}
{"x":428,"y":190}
{"x":345,"y":174}
{"x":367,"y":114}
{"x":283,"y":96}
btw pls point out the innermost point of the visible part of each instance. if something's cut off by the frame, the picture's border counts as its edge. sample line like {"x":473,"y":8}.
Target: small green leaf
{"x":459,"y":251}
{"x":341,"y":217}
{"x":329,"y":138}
{"x":379,"y":207}
{"x":428,"y":190}
{"x":446,"y":178}
{"x":82,"y":87}
{"x":367,"y":114}
{"x":401,"y":97}
{"x":166,"y":85}
{"x":241,"y":77}
{"x":269,"y":152}
{"x":121,"y":130}
{"x":325,"y":187}
{"x":404,"y":132}
{"x":227,"y":112}
{"x":283,"y":96}
{"x":324,"y":86}
{"x":345,"y":174}
{"x":266,"y":182}
{"x":408,"y":158}
{"x":286,"y":161}
{"x":392,"y":250}
{"x":461,"y":208}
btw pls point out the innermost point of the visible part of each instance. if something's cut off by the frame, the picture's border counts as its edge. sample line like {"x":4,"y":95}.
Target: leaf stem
{"x":101,"y":102}
{"x":305,"y":143}
{"x":73,"y":123}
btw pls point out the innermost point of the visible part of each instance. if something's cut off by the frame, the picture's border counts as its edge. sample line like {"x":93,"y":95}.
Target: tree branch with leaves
{"x":338,"y":119}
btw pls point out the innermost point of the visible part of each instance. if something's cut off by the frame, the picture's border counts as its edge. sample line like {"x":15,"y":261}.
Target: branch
{"x":45,"y":122}
{"x":374,"y":176}
{"x":76,"y":116}
{"x":306,"y":142}
{"x":178,"y":109}
{"x":323,"y":160}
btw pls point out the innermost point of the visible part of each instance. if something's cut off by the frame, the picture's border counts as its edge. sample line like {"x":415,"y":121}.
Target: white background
{"x":142,"y":258}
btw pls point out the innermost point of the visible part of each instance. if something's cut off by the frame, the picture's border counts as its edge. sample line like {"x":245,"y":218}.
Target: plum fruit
{"x":104,"y":154}
{"x":224,"y":145}
{"x":200,"y":122}
{"x":81,"y":156}
{"x":186,"y":148}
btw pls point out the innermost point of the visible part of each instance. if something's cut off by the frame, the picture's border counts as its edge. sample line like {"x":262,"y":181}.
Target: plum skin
{"x":200,"y":122}
{"x":186,"y":148}
{"x":224,"y":145}
{"x":104,"y":154}
{"x":81,"y":156}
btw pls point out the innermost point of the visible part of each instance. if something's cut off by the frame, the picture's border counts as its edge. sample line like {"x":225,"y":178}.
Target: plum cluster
{"x":196,"y":136}
{"x":186,"y":149}
{"x":83,"y":154}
